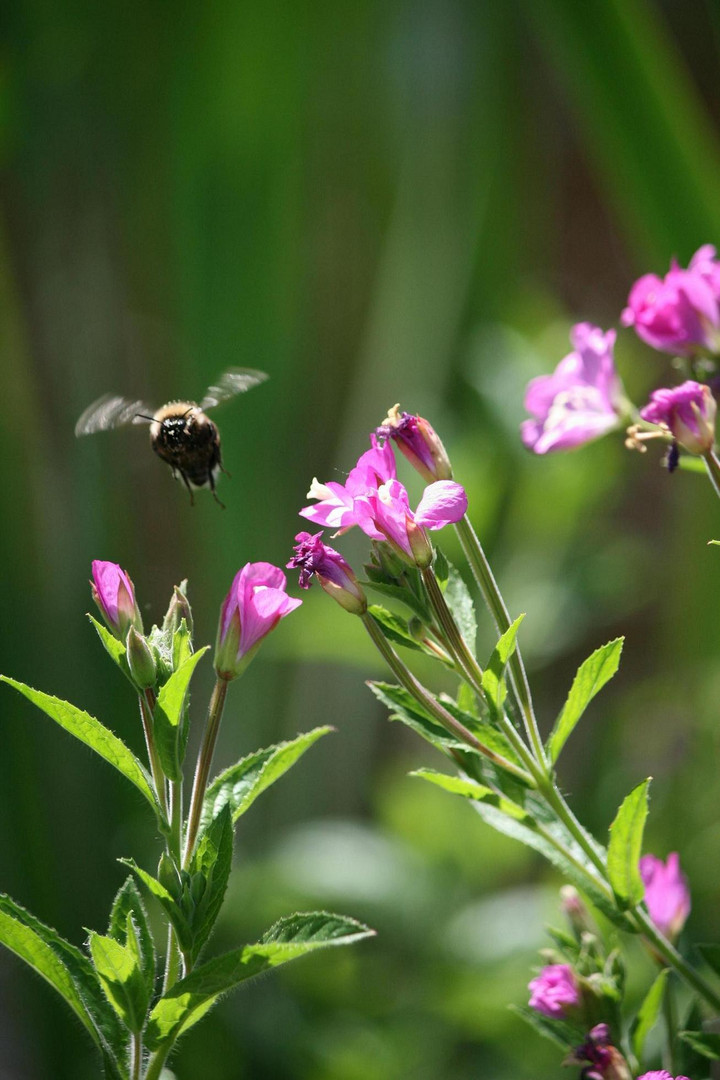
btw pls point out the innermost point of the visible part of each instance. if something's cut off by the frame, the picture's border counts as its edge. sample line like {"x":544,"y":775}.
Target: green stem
{"x":670,"y":1026}
{"x":135,"y":1056}
{"x":425,"y":698}
{"x":156,"y":1063}
{"x":202,"y":770}
{"x":483,"y":575}
{"x":712,"y":464}
{"x":147,"y":706}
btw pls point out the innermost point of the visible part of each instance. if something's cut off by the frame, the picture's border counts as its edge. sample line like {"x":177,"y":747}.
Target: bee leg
{"x":187,"y":485}
{"x":211,"y":480}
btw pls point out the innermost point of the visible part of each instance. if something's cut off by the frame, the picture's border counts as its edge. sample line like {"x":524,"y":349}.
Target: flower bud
{"x":315,"y":559}
{"x":178,"y":609}
{"x":418,"y":442}
{"x":141,"y":660}
{"x":688,"y":412}
{"x":667,"y":895}
{"x":114,"y":594}
{"x":254,"y":606}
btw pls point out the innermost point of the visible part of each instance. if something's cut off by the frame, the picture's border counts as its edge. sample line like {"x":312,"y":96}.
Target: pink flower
{"x":335,"y":575}
{"x":688,"y":411}
{"x":114,"y":594}
{"x":660,"y":1074}
{"x":386,"y":515}
{"x":554,"y":991}
{"x":419,"y":442}
{"x":605,"y":1062}
{"x":679,"y":313}
{"x":334,"y":509}
{"x":254,"y":606}
{"x":581,"y":400}
{"x":667,"y":895}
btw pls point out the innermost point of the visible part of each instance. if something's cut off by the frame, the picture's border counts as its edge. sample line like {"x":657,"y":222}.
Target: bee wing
{"x":111,"y":411}
{"x":231,"y":382}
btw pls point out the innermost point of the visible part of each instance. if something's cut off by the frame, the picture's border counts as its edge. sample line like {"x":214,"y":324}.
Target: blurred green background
{"x":373,"y":202}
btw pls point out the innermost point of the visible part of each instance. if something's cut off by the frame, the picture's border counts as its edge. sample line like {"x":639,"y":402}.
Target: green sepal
{"x":119,"y":972}
{"x":128,"y":904}
{"x":168,"y":714}
{"x":94,"y":734}
{"x":210,"y":870}
{"x":243,"y":782}
{"x":626,"y":835}
{"x":169,"y":903}
{"x":113,"y":647}
{"x":646,"y":1016}
{"x":191,"y":998}
{"x":493,"y":682}
{"x":71,"y":974}
{"x":591,"y":676}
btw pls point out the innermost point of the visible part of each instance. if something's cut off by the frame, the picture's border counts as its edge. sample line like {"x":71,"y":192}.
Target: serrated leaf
{"x":591,"y":676}
{"x":91,"y":732}
{"x":469,"y":789}
{"x":706,"y":1043}
{"x":626,"y":835}
{"x":168,"y":714}
{"x":241,"y":784}
{"x":188,"y":1000}
{"x":122,"y":980}
{"x":711,"y":956}
{"x":167,"y":901}
{"x":212,"y":860}
{"x":128,"y":902}
{"x":460,"y":602}
{"x":492,"y":681}
{"x":648,"y":1013}
{"x":393,"y":627}
{"x":405,"y":708}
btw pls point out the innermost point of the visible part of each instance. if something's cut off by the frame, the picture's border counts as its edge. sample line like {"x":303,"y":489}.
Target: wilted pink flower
{"x":554,"y":990}
{"x":688,"y":411}
{"x":680,"y":312}
{"x":667,"y":895}
{"x":581,"y":400}
{"x":605,"y":1062}
{"x":114,"y":594}
{"x":386,"y":515}
{"x":419,"y":442}
{"x":661,"y":1074}
{"x":315,"y":559}
{"x":334,"y":508}
{"x":255,"y":604}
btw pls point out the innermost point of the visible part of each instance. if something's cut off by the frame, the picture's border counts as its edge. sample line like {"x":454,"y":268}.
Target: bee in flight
{"x":180,"y":432}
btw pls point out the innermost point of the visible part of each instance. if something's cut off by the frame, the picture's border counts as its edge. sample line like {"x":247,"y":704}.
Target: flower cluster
{"x":584,"y":397}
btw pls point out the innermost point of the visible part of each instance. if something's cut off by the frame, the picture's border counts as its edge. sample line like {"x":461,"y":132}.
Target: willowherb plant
{"x":488,"y":730}
{"x":134,"y":1012}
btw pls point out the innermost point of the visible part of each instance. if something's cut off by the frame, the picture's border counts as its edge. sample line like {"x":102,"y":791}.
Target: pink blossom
{"x":554,"y":991}
{"x":114,"y":594}
{"x":255,"y":604}
{"x":319,"y":560}
{"x":660,"y":1074}
{"x":385,"y":514}
{"x":688,"y":411}
{"x":419,"y":442}
{"x":334,"y":508}
{"x":667,"y":895}
{"x":679,"y":313}
{"x":581,"y":400}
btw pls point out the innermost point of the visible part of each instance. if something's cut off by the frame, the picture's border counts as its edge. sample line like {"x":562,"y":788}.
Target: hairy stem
{"x":147,"y":706}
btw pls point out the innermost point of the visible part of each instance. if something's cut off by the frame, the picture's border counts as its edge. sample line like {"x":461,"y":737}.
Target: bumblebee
{"x":180,"y":432}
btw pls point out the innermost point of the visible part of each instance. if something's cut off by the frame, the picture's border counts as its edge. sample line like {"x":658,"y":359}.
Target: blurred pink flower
{"x":661,"y":1074}
{"x":419,"y":442}
{"x":581,"y":400}
{"x":667,"y":895}
{"x":334,"y":508}
{"x":554,"y":991}
{"x":316,"y":559}
{"x":605,"y":1062}
{"x":386,"y":515}
{"x":255,"y":604}
{"x":688,"y":411}
{"x":680,"y":312}
{"x":114,"y":594}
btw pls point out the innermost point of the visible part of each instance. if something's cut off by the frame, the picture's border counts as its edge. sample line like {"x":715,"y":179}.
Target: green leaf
{"x":188,"y":1000}
{"x":243,"y":782}
{"x":128,"y":902}
{"x":441,"y":568}
{"x":469,"y":789}
{"x":460,"y":602}
{"x":167,"y":901}
{"x":181,"y":645}
{"x":648,"y":1013}
{"x":417,"y":604}
{"x":591,"y":676}
{"x":168,"y":715}
{"x":114,"y":648}
{"x":711,"y":956}
{"x":626,"y":835}
{"x":492,"y":680}
{"x":393,"y":627}
{"x":91,"y":732}
{"x":405,"y":708}
{"x":212,"y":861}
{"x":488,"y":735}
{"x":559,"y":1032}
{"x":706,"y":1043}
{"x":122,"y":980}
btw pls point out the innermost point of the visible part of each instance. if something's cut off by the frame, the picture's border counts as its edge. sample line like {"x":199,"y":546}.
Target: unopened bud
{"x":141,"y":660}
{"x":178,"y":609}
{"x":419,"y":443}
